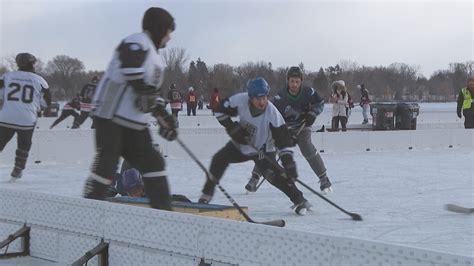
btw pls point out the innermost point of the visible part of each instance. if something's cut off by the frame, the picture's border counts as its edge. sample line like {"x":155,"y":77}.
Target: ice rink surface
{"x":400,"y":194}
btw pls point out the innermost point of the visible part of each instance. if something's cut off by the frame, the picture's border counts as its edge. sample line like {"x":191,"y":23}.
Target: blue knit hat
{"x":257,"y":87}
{"x":131,"y":178}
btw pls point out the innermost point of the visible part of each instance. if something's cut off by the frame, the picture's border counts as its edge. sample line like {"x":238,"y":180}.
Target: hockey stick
{"x":354,"y":216}
{"x":296,"y":135}
{"x":459,"y":209}
{"x":279,"y":223}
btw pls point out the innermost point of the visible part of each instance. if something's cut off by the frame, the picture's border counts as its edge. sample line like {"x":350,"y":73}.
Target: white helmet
{"x":191,"y":89}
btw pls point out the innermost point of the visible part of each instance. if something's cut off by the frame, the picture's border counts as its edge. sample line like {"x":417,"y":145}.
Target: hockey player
{"x":69,"y":109}
{"x":299,"y":105}
{"x":21,"y":93}
{"x":125,"y":96}
{"x":87,"y":93}
{"x":175,"y":98}
{"x":261,"y":125}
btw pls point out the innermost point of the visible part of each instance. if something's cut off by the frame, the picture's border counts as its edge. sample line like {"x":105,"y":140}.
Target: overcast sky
{"x":318,"y":33}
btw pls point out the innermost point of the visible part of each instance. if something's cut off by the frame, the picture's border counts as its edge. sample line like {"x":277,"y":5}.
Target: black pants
{"x":65,"y":114}
{"x":469,"y":119}
{"x":191,"y":108}
{"x":78,"y":121}
{"x":335,"y":122}
{"x":136,"y":147}
{"x":230,"y":154}
{"x":24,"y":143}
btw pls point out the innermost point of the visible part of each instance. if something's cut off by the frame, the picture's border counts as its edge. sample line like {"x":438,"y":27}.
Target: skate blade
{"x":326,"y":191}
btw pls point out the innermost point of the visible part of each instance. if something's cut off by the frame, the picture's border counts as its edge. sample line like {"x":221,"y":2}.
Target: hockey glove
{"x":290,"y":167}
{"x":294,"y":139}
{"x":238,"y":133}
{"x":459,"y":114}
{"x":167,"y":124}
{"x":146,"y":102}
{"x":309,"y":118}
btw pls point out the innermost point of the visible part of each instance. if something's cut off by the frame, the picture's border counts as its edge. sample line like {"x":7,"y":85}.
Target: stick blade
{"x":458,"y":209}
{"x":356,"y":217}
{"x":277,"y":223}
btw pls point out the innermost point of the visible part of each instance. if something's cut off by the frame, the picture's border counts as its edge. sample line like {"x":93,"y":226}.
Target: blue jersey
{"x":293,"y":108}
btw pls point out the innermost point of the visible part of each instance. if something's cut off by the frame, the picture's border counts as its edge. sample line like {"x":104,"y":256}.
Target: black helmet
{"x":157,"y":22}
{"x":294,"y":72}
{"x":173,"y":86}
{"x":25,"y":61}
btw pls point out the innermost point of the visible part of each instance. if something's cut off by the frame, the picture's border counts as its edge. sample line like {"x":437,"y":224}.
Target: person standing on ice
{"x":339,"y":99}
{"x":364,"y":102}
{"x":465,"y":104}
{"x":21,"y":93}
{"x":125,"y":96}
{"x":191,"y":102}
{"x":299,"y":105}
{"x":175,"y":98}
{"x":261,"y":125}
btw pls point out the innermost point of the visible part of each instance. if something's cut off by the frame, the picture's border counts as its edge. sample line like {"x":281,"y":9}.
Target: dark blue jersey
{"x":293,"y":108}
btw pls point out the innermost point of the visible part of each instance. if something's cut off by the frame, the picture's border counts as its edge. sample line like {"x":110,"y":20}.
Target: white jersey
{"x":258,"y":127}
{"x":114,"y":97}
{"x":22,"y":97}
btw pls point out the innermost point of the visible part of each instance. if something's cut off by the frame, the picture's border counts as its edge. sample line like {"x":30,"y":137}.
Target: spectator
{"x":201,"y":102}
{"x":465,"y":104}
{"x":364,"y":102}
{"x":340,"y":100}
{"x":214,"y":100}
{"x":191,"y":102}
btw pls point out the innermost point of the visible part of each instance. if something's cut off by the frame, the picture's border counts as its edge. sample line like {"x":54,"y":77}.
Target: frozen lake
{"x":399,"y":194}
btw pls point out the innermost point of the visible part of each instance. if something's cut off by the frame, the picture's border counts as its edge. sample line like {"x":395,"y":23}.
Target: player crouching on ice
{"x":261,"y":125}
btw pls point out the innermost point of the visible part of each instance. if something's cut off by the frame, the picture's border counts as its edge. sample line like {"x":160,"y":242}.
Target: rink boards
{"x":64,"y":228}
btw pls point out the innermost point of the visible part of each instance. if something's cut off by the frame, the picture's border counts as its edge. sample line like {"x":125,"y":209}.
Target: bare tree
{"x":9,"y":62}
{"x":175,"y":60}
{"x":224,"y":77}
{"x":65,"y":73}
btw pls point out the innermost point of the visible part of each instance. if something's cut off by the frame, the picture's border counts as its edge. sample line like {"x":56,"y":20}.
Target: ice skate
{"x":324,"y":184}
{"x":252,"y":184}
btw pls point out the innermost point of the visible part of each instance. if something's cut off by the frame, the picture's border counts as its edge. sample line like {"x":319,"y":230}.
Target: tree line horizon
{"x":396,"y":82}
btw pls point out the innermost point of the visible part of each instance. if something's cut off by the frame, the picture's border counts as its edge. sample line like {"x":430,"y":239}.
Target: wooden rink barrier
{"x":210,"y":210}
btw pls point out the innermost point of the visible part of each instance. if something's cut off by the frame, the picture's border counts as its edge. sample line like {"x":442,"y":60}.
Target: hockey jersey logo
{"x":251,"y":130}
{"x":290,"y":113}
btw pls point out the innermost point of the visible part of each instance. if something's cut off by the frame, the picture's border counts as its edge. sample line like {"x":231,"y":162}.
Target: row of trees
{"x":398,"y":81}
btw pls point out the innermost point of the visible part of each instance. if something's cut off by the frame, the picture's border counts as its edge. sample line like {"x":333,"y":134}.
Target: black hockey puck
{"x":367,"y":149}
{"x":38,"y":161}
